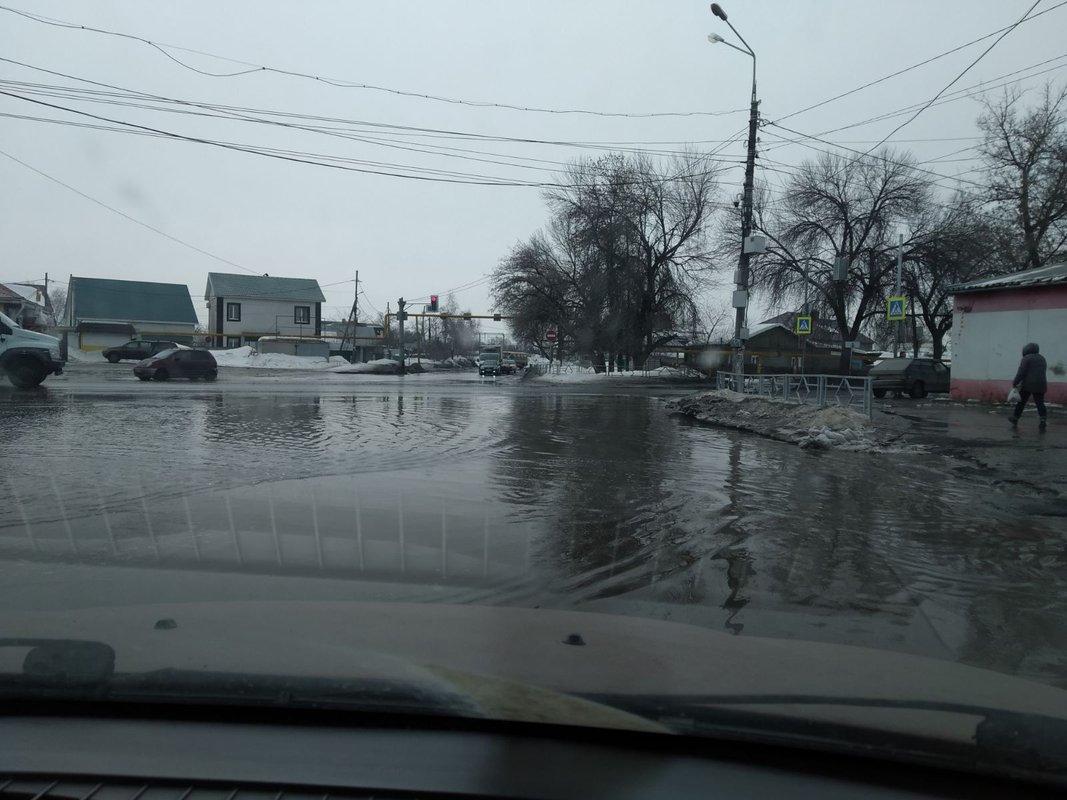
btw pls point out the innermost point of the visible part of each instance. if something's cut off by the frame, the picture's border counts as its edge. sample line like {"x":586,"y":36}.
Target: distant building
{"x":358,"y":343}
{"x":991,"y":321}
{"x":26,"y":305}
{"x":243,"y":308}
{"x":101,"y":312}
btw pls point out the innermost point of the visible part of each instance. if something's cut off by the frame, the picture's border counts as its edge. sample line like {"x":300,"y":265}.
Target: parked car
{"x":138,"y":350}
{"x":508,"y":367}
{"x":915,"y":376}
{"x":185,"y":363}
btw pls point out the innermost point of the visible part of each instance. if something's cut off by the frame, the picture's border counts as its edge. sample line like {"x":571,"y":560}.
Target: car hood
{"x":24,"y":338}
{"x":568,"y":653}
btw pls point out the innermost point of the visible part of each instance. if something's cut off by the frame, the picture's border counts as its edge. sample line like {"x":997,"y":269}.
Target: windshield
{"x":9,"y":322}
{"x":684,"y":487}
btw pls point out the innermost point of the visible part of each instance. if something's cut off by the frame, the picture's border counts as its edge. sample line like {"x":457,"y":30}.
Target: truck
{"x":27,"y":357}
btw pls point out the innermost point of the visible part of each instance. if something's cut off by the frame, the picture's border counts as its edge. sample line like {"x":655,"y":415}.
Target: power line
{"x":346,"y":84}
{"x":380,"y":128}
{"x":961,"y":94}
{"x":952,"y":82}
{"x":411,"y":173}
{"x":922,"y":63}
{"x":134,"y":220}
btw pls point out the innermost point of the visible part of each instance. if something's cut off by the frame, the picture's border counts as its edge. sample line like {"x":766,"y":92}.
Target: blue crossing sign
{"x":895,"y":309}
{"x":803,"y":325}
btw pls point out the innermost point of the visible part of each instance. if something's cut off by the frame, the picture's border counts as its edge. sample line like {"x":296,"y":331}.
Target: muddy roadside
{"x":975,"y":441}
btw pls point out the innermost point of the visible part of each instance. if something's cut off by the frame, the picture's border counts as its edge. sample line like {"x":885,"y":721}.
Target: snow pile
{"x":76,"y":354}
{"x":572,"y":374}
{"x":381,"y":366}
{"x":831,"y":427}
{"x":456,"y":362}
{"x":247,"y":357}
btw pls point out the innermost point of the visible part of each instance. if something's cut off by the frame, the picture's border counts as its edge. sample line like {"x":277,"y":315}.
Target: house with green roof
{"x":243,"y":308}
{"x":101,"y":312}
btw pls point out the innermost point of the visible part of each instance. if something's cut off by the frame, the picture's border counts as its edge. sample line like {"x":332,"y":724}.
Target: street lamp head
{"x":714,"y":38}
{"x":716,"y":9}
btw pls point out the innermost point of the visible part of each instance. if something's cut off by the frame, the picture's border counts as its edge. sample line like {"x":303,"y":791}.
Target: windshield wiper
{"x":1002,"y":739}
{"x":75,"y":670}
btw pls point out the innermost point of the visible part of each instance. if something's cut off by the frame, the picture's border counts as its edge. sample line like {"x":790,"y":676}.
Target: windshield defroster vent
{"x":74,"y":789}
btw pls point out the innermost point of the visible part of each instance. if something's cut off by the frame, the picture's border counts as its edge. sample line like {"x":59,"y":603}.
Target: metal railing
{"x":820,"y":390}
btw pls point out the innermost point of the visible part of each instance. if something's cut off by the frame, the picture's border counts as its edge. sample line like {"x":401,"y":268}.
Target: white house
{"x":242,"y":308}
{"x":994,"y":318}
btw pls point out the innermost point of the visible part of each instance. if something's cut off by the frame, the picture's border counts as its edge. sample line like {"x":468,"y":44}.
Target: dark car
{"x":489,"y":366}
{"x":914,"y":376}
{"x":136,"y":350}
{"x":183,"y":363}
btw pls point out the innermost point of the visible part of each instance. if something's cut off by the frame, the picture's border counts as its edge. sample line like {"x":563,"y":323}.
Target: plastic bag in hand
{"x":1014,"y":396}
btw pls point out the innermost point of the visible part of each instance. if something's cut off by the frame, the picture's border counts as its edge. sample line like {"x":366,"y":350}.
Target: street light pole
{"x":741,"y":279}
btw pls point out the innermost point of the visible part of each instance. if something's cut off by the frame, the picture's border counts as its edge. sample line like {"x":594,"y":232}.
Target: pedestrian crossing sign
{"x":895,"y":309}
{"x":803,"y":325}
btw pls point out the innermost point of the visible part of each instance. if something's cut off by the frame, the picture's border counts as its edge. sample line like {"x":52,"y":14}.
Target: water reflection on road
{"x":504,"y":494}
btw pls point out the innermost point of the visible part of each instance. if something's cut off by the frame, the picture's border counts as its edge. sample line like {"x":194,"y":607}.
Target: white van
{"x":26,"y":356}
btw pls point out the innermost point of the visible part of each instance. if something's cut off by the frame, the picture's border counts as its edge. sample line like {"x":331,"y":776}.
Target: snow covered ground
{"x":247,"y":357}
{"x":571,"y":374}
{"x":808,"y":426}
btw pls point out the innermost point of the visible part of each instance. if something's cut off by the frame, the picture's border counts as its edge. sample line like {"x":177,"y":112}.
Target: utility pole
{"x":400,"y":314}
{"x":740,"y":300}
{"x":900,"y":261}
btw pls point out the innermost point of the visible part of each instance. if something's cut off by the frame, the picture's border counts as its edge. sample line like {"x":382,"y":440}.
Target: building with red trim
{"x":991,"y":321}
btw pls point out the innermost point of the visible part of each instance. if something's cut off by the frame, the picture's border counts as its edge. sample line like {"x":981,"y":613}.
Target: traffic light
{"x":433,"y":303}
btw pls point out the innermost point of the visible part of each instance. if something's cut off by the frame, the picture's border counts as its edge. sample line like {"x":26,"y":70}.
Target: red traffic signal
{"x":433,"y":302}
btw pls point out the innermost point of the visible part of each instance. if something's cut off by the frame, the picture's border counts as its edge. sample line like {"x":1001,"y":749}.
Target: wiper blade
{"x":75,"y":670}
{"x":65,"y":662}
{"x":1002,"y":738}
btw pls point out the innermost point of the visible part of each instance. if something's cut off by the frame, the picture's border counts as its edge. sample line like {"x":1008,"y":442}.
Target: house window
{"x":233,"y":312}
{"x":302,"y":315}
{"x":233,"y":341}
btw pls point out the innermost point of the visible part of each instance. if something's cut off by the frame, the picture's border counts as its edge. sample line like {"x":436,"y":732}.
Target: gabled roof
{"x":7,"y":293}
{"x":135,"y":301}
{"x":1047,"y":275}
{"x":265,"y":287}
{"x":823,"y":332}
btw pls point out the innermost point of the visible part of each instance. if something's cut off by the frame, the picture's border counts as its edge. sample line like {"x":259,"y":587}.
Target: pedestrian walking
{"x":1031,"y":381}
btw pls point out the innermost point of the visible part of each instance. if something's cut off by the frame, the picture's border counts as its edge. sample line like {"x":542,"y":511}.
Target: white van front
{"x":27,"y":357}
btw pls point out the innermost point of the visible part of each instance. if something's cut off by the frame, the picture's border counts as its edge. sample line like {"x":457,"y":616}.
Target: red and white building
{"x":991,"y":321}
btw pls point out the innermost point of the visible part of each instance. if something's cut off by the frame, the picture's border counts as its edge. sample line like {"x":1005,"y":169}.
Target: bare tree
{"x":951,"y":244}
{"x":615,"y":269}
{"x":835,"y":207}
{"x":1025,"y":152}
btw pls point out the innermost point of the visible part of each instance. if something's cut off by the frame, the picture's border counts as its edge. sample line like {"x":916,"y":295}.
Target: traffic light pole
{"x":400,"y":315}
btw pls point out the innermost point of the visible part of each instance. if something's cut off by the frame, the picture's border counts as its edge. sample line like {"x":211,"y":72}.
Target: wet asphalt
{"x":448,"y":488}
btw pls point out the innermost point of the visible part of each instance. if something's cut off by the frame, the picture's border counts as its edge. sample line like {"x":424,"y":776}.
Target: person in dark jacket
{"x":1031,"y":380}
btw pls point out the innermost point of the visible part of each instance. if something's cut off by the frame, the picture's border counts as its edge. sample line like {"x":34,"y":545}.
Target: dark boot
{"x":1014,"y":420}
{"x":1042,"y":424}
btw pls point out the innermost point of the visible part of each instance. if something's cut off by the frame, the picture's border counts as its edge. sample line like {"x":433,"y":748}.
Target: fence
{"x":821,"y":390}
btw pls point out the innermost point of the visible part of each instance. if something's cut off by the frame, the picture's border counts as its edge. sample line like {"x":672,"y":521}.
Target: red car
{"x":182,"y":363}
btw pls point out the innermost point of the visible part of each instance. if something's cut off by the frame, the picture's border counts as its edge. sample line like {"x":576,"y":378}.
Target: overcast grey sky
{"x":413,"y":237}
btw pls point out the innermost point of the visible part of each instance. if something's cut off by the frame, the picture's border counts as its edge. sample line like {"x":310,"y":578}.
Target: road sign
{"x":550,"y":336}
{"x":895,"y":309}
{"x":803,"y":326}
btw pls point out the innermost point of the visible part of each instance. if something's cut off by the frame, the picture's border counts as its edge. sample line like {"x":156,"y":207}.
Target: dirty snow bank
{"x":247,"y":357}
{"x":381,"y":366}
{"x":832,"y":427}
{"x":571,"y":374}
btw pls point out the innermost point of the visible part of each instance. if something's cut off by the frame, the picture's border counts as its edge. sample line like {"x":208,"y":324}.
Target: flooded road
{"x":543,"y":496}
